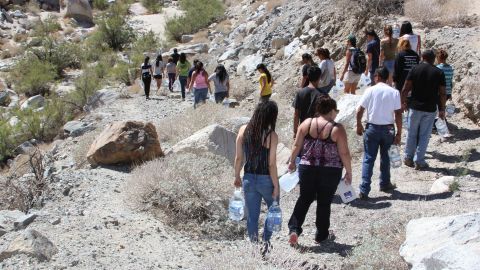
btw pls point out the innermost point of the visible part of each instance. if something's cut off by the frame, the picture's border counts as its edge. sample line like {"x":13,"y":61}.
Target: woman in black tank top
{"x":256,"y":147}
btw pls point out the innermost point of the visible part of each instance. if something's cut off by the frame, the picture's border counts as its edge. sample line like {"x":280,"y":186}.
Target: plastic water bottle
{"x":288,"y":181}
{"x":394,"y":155}
{"x":396,"y":31}
{"x":442,"y":128}
{"x":236,"y":206}
{"x":450,"y":109}
{"x":364,"y":80}
{"x":347,"y":192}
{"x":340,"y":85}
{"x":274,"y":218}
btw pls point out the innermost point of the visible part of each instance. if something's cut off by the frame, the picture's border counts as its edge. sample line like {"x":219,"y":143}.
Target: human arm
{"x":239,"y":157}
{"x":296,"y":122}
{"x":399,"y":124}
{"x":360,"y":129}
{"x":407,"y":87}
{"x":207,"y":82}
{"x":382,"y":53}
{"x":339,"y":135}
{"x":369,"y":63}
{"x":419,"y":45}
{"x":272,"y":164}
{"x":297,"y":146}
{"x":194,"y":76}
{"x":347,"y":63}
{"x":263,"y":83}
{"x":443,"y":100}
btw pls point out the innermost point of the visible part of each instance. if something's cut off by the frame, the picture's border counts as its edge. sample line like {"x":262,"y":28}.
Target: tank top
{"x":259,"y":163}
{"x":389,"y":49}
{"x":320,"y":152}
{"x":158,"y":70}
{"x":146,"y":69}
{"x":352,"y":50}
{"x":413,"y":39}
{"x":183,"y":68}
{"x":268,"y":87}
{"x":200,"y":80}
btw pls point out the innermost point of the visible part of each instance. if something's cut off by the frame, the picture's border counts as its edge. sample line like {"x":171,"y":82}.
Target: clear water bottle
{"x":274,"y":218}
{"x":236,"y":206}
{"x":394,"y":155}
{"x":396,"y":31}
{"x":450,"y":109}
{"x":340,"y":85}
{"x":442,"y":128}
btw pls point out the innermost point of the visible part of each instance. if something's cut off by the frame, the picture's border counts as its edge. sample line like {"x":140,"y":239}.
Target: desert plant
{"x":440,"y":12}
{"x":113,"y":29}
{"x":100,"y":4}
{"x":61,"y":54}
{"x":85,"y":86}
{"x":8,"y":141}
{"x":193,"y":199}
{"x":153,"y":6}
{"x":32,"y":76}
{"x":43,"y":28}
{"x":121,"y":72}
{"x":198,"y":14}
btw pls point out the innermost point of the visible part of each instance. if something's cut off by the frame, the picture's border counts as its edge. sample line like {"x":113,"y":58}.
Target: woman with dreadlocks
{"x":257,"y":146}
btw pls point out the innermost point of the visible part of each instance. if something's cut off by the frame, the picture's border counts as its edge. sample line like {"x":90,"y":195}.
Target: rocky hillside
{"x":65,"y":205}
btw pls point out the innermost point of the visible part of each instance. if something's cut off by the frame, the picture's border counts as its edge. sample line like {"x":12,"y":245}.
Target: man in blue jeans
{"x":426,"y":83}
{"x":383,"y":106}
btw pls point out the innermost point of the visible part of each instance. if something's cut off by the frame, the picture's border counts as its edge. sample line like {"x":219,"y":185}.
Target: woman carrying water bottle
{"x":324,"y":152}
{"x":257,"y":147}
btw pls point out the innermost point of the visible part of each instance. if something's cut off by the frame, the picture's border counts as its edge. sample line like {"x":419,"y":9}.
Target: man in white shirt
{"x":383,"y":106}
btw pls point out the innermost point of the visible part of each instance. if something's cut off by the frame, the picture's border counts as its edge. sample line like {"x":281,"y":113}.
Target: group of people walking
{"x":400,"y":83}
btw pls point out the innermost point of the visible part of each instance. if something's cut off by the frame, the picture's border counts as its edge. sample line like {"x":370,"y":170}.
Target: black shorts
{"x":157,"y":76}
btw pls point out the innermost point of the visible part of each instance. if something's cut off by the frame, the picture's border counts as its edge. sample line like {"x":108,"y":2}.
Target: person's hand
{"x":341,"y":77}
{"x":360,"y":129}
{"x":237,"y":182}
{"x":441,"y":114}
{"x":292,"y":166}
{"x":348,"y":178}
{"x":398,"y":139}
{"x":276,"y":192}
{"x":404,"y":107}
{"x":366,"y":72}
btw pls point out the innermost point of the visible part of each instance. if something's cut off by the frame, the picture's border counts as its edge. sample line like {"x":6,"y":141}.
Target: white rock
{"x":186,"y":38}
{"x":34,"y":102}
{"x":101,"y":97}
{"x":291,"y":48}
{"x":348,"y":105}
{"x":80,"y":10}
{"x":8,"y":218}
{"x":278,"y":43}
{"x":249,"y":64}
{"x":77,"y":128}
{"x":229,"y":54}
{"x":30,"y":243}
{"x":442,"y":185}
{"x":443,"y":242}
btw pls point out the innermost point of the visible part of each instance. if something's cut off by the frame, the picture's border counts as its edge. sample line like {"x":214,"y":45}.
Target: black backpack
{"x":359,"y":63}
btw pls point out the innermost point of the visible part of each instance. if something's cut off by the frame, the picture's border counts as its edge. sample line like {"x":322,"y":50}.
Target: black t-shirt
{"x":305,"y":102}
{"x":427,"y":80}
{"x":404,"y":62}
{"x":373,"y":47}
{"x":175,"y":57}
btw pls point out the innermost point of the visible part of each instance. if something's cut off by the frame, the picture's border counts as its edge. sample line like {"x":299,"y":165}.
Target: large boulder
{"x":248,"y":65}
{"x":348,"y":104}
{"x":9,"y":217}
{"x":214,"y":139}
{"x":100,"y":98}
{"x":34,"y":102}
{"x":443,"y":242}
{"x":125,"y":142}
{"x":30,"y":243}
{"x":442,"y":185}
{"x":81,"y":11}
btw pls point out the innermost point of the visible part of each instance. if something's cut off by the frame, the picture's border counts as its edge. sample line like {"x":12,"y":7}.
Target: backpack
{"x":359,"y":63}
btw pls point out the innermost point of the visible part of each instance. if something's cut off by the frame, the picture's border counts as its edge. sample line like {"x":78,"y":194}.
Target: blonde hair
{"x":404,"y":44}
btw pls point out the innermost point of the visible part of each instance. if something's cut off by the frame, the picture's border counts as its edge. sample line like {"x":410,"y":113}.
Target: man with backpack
{"x":175,"y":56}
{"x":355,"y":65}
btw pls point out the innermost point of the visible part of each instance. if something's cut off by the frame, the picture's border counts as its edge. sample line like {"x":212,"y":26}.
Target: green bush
{"x":100,"y":4}
{"x":43,"y":28}
{"x":8,"y":140}
{"x":85,"y":86}
{"x":61,"y":54}
{"x":198,"y":14}
{"x":113,"y":29}
{"x":31,"y":76}
{"x":153,"y":6}
{"x":121,"y":73}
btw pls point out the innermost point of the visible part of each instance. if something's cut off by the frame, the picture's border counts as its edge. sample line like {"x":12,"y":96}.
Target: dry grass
{"x":272,"y":4}
{"x":32,"y":7}
{"x":440,"y":12}
{"x":189,"y":193}
{"x":177,"y":128}
{"x":9,"y":50}
{"x":200,"y":37}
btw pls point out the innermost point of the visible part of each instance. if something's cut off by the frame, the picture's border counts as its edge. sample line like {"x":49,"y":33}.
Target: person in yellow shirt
{"x":266,"y":83}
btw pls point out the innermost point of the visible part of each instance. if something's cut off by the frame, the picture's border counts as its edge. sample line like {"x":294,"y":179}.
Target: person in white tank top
{"x":406,"y":32}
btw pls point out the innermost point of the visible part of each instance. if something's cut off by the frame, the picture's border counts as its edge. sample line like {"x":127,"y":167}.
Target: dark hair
{"x":383,"y":73}
{"x":353,"y":40}
{"x":314,"y":73}
{"x":157,"y":61}
{"x":429,"y":56}
{"x":260,"y":126}
{"x":182,"y":58}
{"x":199,"y":66}
{"x":221,"y":73}
{"x":175,"y":50}
{"x":263,"y":68}
{"x":406,"y":28}
{"x":147,"y":59}
{"x":170,"y":60}
{"x":195,"y":61}
{"x":324,"y":104}
{"x":307,"y":56}
{"x":442,"y":54}
{"x":371,"y":32}
{"x":323,"y":52}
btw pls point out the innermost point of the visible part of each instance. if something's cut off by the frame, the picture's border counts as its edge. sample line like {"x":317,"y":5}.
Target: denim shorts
{"x":200,"y":95}
{"x":389,"y":64}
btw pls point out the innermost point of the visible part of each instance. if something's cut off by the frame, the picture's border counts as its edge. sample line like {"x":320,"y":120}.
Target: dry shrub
{"x":247,"y":256}
{"x":22,"y":192}
{"x":9,"y":50}
{"x":372,"y":7}
{"x":177,"y":128}
{"x":379,"y":249}
{"x":189,"y":192}
{"x":440,"y":12}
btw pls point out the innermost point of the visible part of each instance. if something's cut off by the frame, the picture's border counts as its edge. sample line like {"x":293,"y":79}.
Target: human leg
{"x":265,"y":188}
{"x":146,"y":82}
{"x":183,"y":83}
{"x":414,"y":118}
{"x":253,"y":200}
{"x":329,"y":179}
{"x":171,"y":80}
{"x":424,"y":133}
{"x":385,"y":143}
{"x":307,"y":196}
{"x":371,"y":142}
